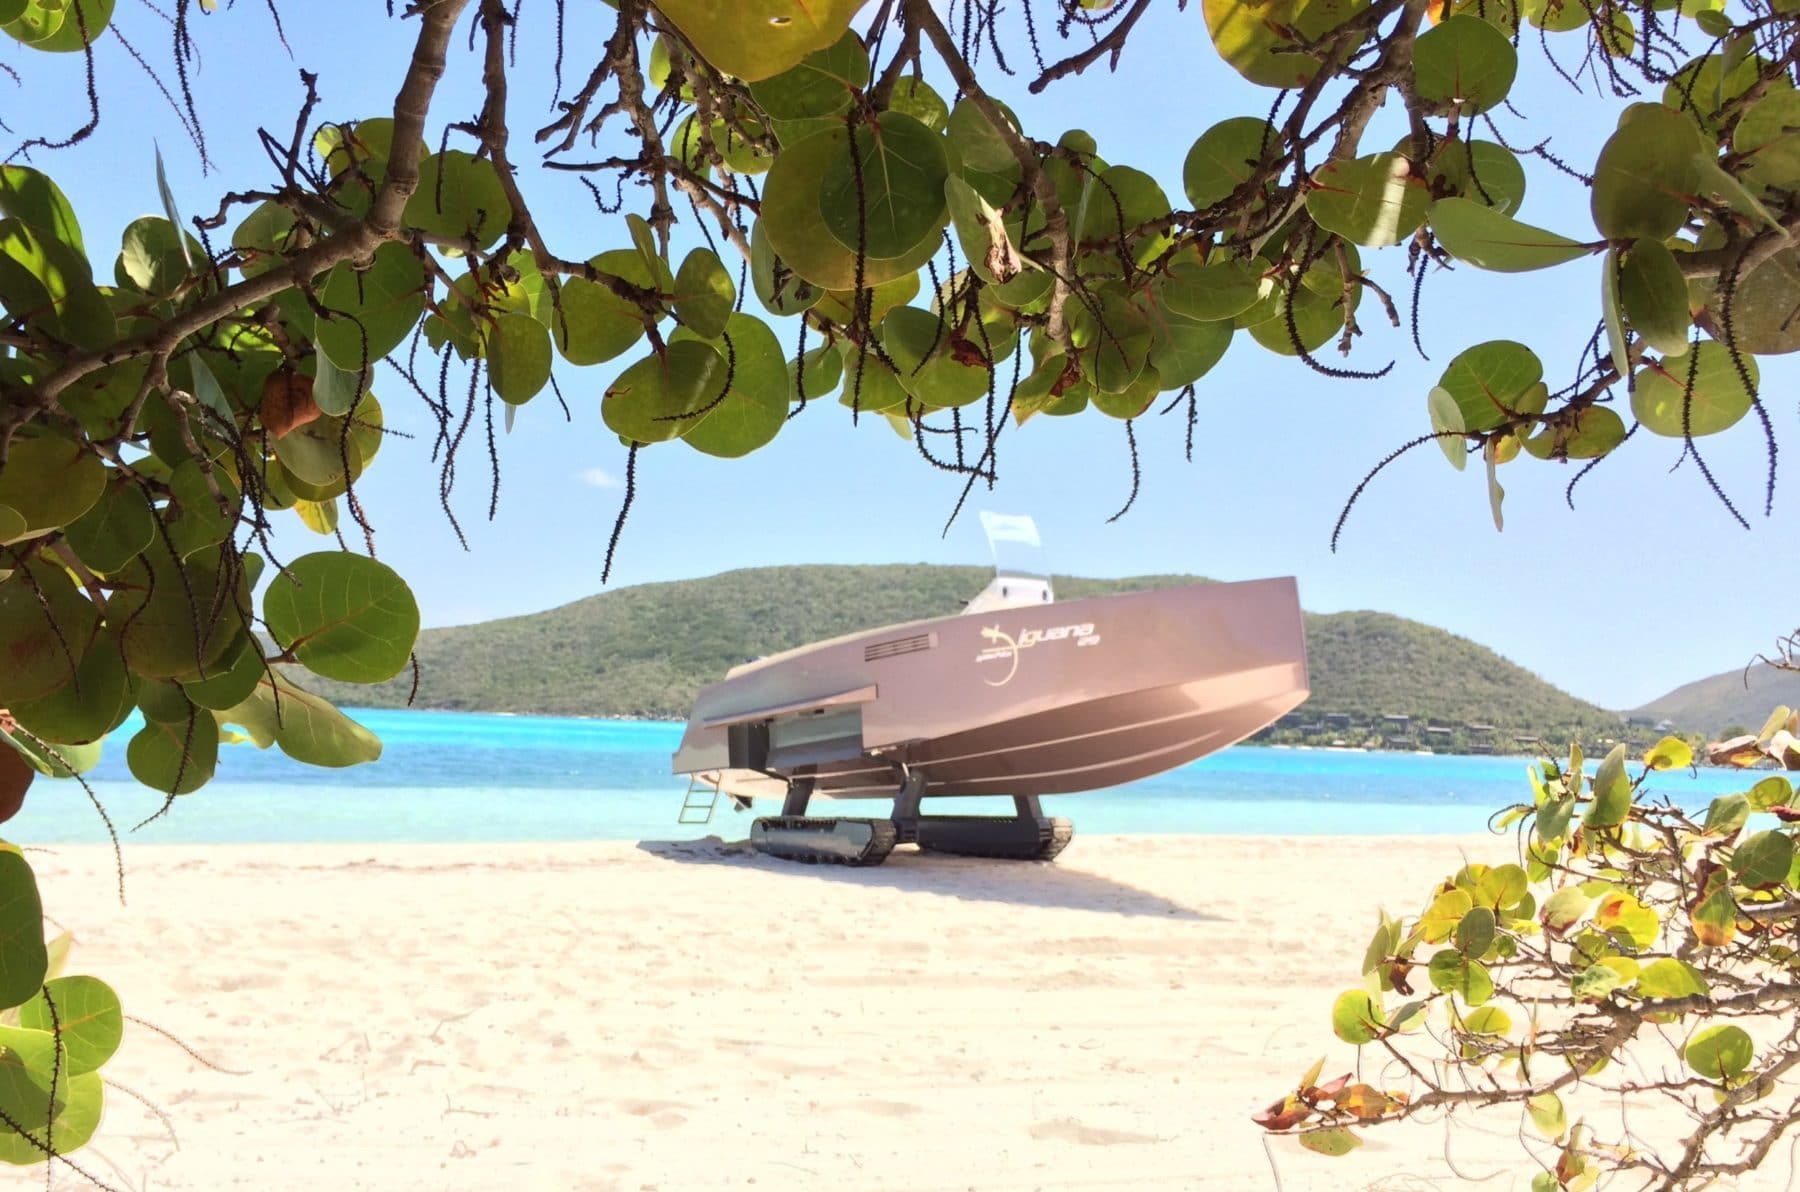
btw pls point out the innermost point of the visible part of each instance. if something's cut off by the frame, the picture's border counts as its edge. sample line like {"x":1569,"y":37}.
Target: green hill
{"x":645,"y":651}
{"x":1737,"y":698}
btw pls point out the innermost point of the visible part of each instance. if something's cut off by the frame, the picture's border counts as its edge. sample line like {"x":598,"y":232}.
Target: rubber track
{"x":1055,"y":835}
{"x":881,"y":842}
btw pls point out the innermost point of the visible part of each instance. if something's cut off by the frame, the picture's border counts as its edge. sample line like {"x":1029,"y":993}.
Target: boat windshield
{"x":1013,"y":539}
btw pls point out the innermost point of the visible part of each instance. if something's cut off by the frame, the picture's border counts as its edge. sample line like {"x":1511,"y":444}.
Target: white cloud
{"x":599,"y":478}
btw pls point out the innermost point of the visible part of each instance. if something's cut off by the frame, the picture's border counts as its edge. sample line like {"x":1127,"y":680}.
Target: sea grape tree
{"x":809,"y":204}
{"x":1625,"y":990}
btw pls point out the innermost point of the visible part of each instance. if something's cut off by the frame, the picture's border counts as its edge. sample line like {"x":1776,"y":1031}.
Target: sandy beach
{"x":663,"y":1017}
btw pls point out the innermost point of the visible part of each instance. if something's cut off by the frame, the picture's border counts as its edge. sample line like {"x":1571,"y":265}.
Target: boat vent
{"x":899,"y":645}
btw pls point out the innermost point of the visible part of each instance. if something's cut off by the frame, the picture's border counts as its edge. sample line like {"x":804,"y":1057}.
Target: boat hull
{"x":1074,"y":696}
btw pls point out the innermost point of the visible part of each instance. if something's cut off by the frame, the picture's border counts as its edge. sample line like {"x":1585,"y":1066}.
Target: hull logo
{"x":1004,"y":647}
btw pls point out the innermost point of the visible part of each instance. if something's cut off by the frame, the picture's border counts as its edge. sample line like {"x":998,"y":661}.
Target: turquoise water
{"x":452,"y":776}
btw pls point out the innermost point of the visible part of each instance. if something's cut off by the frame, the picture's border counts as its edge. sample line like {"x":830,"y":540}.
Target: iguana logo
{"x":1006,"y":646}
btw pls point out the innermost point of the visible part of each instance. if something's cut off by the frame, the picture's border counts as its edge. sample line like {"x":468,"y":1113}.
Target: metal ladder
{"x":698,"y":810}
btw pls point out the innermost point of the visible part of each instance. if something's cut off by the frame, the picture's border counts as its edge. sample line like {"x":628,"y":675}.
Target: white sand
{"x":602,"y":1016}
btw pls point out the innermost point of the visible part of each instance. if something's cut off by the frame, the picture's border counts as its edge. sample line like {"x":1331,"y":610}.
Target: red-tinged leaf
{"x":1329,"y":1090}
{"x":1786,"y":814}
{"x":287,"y":403}
{"x":15,"y":779}
{"x":1397,"y":978}
{"x":1285,"y":1114}
{"x":1364,"y":1102}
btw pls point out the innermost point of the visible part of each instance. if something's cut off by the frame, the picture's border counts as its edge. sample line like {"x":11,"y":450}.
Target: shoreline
{"x":684,"y":1016}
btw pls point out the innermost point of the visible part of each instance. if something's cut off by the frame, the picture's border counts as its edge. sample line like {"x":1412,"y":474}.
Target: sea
{"x":447,"y":777}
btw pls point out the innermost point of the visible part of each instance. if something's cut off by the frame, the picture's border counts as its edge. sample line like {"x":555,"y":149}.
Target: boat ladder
{"x":701,"y":801}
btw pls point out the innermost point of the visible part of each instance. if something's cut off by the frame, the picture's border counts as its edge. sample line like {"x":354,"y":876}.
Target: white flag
{"x":1009,"y":527}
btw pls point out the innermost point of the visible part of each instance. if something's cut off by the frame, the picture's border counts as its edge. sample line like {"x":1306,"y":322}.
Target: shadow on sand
{"x":1018,"y":883}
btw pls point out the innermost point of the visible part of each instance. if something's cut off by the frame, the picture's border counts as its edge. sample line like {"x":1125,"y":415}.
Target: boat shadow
{"x":974,"y":879}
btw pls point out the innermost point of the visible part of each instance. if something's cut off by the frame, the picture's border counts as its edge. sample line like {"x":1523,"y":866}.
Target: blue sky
{"x":1647,"y":584}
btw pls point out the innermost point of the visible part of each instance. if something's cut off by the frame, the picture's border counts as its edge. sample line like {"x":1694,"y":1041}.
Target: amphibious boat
{"x":1017,"y":697}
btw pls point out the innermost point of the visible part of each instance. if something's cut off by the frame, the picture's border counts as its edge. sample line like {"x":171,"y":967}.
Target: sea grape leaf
{"x":1653,"y":294}
{"x":87,"y":1018}
{"x":23,"y":959}
{"x":704,"y":293}
{"x":982,"y":233}
{"x":50,"y":284}
{"x":1447,"y":425}
{"x":345,"y":616}
{"x":1720,"y":1052}
{"x":1372,"y":201}
{"x":305,"y":726}
{"x":1475,"y":933}
{"x":1492,"y":383}
{"x":1464,"y":62}
{"x":1547,"y":1114}
{"x":1670,"y":753}
{"x":68,"y":36}
{"x":177,"y":758}
{"x":753,"y":410}
{"x":1263,"y":39}
{"x":1224,"y":157}
{"x":1668,"y":977}
{"x":1717,"y":400}
{"x":1356,"y":1018}
{"x":1627,"y":920}
{"x":35,"y":198}
{"x":50,"y":481}
{"x":372,"y":311}
{"x":1480,"y":171}
{"x":1612,"y":792}
{"x":759,"y":39}
{"x":1486,"y":238}
{"x":45,"y":627}
{"x":153,"y":257}
{"x":1332,"y":1141}
{"x":592,"y":324}
{"x":85,"y":710}
{"x":1221,"y":289}
{"x":78,"y":1115}
{"x":459,"y":197}
{"x":1455,"y":973}
{"x":178,"y":619}
{"x":824,"y":83}
{"x":1646,"y":174}
{"x":650,"y":402}
{"x":518,"y":350}
{"x":1762,"y":861}
{"x":899,"y":202}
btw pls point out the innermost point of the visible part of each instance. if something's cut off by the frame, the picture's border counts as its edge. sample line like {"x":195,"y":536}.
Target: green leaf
{"x":372,"y":312}
{"x":50,"y":482}
{"x":1220,"y":289}
{"x":758,"y":41}
{"x":1264,"y":40}
{"x":1612,"y":315}
{"x":1480,"y":171}
{"x":1493,"y":383}
{"x":1726,"y":814}
{"x":45,"y":627}
{"x":812,"y":183}
{"x":1714,"y":919}
{"x":986,"y":243}
{"x":755,"y":408}
{"x":1612,"y":792}
{"x":48,"y":283}
{"x":1773,"y":791}
{"x":1356,"y":1018}
{"x":178,"y":619}
{"x":344,"y":616}
{"x":231,"y":683}
{"x":1224,"y":157}
{"x":590,"y":323}
{"x":1490,"y":240}
{"x":1720,"y":1052}
{"x":1762,"y":861}
{"x":78,"y":1113}
{"x":704,"y":294}
{"x":1668,"y":977}
{"x":306,"y":726}
{"x":1670,"y":753}
{"x":1716,"y":402}
{"x":35,"y":198}
{"x":336,"y":390}
{"x":824,"y":83}
{"x":1373,"y":200}
{"x":650,"y":401}
{"x":153,"y":257}
{"x":67,"y":37}
{"x":1628,"y":921}
{"x":899,"y":203}
{"x":1441,"y":917}
{"x":459,"y":197}
{"x":86,"y":709}
{"x":1446,"y":416}
{"x":1765,"y":311}
{"x":1475,"y":933}
{"x":87,"y":1019}
{"x":1453,"y":972}
{"x":1646,"y":174}
{"x":178,"y":758}
{"x":1546,"y":1110}
{"x":1333,"y":1141}
{"x":518,"y":358}
{"x":23,"y":960}
{"x":1465,"y":63}
{"x":1183,"y":350}
{"x":1488,"y":1020}
{"x":1594,"y":983}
